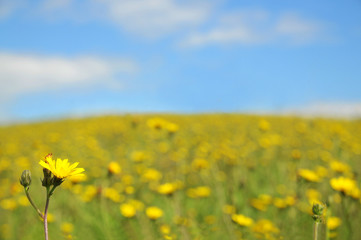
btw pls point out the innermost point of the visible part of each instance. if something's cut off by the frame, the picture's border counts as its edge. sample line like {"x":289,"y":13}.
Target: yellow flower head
{"x":154,"y":212}
{"x":343,"y":185}
{"x":308,"y":175}
{"x":242,"y":220}
{"x":127,"y":210}
{"x":61,"y":168}
{"x":333,"y":223}
{"x":114,"y":168}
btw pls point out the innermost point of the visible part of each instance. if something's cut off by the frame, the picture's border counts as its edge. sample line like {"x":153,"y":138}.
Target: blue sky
{"x":61,"y":58}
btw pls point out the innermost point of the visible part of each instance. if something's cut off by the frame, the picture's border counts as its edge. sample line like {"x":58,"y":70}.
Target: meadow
{"x":220,"y":176}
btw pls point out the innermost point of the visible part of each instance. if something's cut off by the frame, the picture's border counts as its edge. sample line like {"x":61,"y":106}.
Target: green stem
{"x":51,"y":191}
{"x":46,"y":213}
{"x":347,"y":218}
{"x":315,"y":231}
{"x":32,"y":203}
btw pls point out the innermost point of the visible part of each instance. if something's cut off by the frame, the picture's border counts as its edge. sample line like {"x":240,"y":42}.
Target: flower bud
{"x":317,"y":209}
{"x":25,"y":178}
{"x":47,"y":180}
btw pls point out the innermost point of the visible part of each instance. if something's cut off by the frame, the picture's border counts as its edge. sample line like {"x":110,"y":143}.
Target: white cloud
{"x":155,"y":17}
{"x":299,"y":30}
{"x":149,"y":18}
{"x":327,"y":109}
{"x":22,"y":74}
{"x":7,"y":7}
{"x":257,"y":27}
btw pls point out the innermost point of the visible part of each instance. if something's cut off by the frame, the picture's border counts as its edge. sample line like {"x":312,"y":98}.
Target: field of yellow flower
{"x":222,"y":176}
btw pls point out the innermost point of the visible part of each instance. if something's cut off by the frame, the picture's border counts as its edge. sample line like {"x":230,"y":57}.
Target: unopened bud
{"x":47,"y":180}
{"x":25,"y":178}
{"x":317,"y":209}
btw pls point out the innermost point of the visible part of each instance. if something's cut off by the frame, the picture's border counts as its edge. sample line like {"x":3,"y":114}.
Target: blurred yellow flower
{"x":296,"y":154}
{"x":333,"y":222}
{"x":264,"y":227}
{"x":167,"y":188}
{"x":151,"y":174}
{"x":164,"y":229}
{"x":154,"y":213}
{"x":258,"y":204}
{"x":264,"y":125}
{"x":67,"y":227}
{"x":229,"y":209}
{"x":280,"y":203}
{"x":242,"y":220}
{"x":343,"y":185}
{"x":200,"y":163}
{"x":308,"y":175}
{"x":78,"y":178}
{"x":171,"y":127}
{"x":61,"y":168}
{"x":112,"y":194}
{"x":338,"y":166}
{"x":8,"y":204}
{"x":127,"y":210}
{"x":114,"y":168}
{"x":199,"y":192}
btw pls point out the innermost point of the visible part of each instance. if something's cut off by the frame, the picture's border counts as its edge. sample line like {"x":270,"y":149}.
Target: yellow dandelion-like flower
{"x":165,"y":229}
{"x":343,"y":185}
{"x":308,"y":175}
{"x":338,"y":166}
{"x":333,"y":223}
{"x":127,"y":210}
{"x":67,"y":227}
{"x":114,"y":168}
{"x":154,"y":213}
{"x":167,"y":188}
{"x":242,"y":220}
{"x":265,"y":226}
{"x":61,"y":168}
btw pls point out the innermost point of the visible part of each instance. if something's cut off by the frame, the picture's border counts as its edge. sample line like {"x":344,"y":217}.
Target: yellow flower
{"x":265,"y":227}
{"x":343,"y":185}
{"x":114,"y":168}
{"x":151,"y":174}
{"x":61,"y":168}
{"x":8,"y":204}
{"x":164,"y":229}
{"x":280,"y":203}
{"x":113,"y":194}
{"x":67,"y":227}
{"x":199,"y":192}
{"x":242,"y":220}
{"x":258,"y":204}
{"x":154,"y":212}
{"x":171,"y":127}
{"x":200,"y":163}
{"x":308,"y":175}
{"x":338,"y":166}
{"x":167,"y":188}
{"x":333,"y":223}
{"x":127,"y":210}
